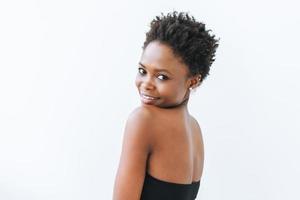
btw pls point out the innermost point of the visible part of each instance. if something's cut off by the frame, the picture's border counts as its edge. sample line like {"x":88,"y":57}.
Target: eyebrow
{"x":157,"y":69}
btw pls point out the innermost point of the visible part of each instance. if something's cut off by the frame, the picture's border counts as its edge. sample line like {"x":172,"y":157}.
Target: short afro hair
{"x":187,"y":38}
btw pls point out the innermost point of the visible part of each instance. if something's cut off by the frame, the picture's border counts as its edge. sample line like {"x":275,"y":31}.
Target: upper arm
{"x":135,"y":150}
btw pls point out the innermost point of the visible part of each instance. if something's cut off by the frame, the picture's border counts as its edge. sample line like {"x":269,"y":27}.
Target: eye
{"x":164,"y":77}
{"x":141,"y":71}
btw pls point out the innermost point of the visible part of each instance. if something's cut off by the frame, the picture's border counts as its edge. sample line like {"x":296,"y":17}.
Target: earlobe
{"x":191,"y":85}
{"x":195,"y":82}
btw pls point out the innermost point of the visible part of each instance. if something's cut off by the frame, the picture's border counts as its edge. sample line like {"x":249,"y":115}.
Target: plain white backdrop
{"x":67,"y":71}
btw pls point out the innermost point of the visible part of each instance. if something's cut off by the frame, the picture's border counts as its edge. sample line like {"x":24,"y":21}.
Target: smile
{"x":148,"y":97}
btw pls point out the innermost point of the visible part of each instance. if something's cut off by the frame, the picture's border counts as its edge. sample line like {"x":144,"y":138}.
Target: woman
{"x":162,"y":153}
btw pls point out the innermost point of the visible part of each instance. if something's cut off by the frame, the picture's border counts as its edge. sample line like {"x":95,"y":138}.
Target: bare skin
{"x":161,"y":138}
{"x":177,"y":148}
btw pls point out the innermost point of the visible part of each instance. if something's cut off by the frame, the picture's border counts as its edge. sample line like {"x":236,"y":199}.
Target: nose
{"x":147,"y":84}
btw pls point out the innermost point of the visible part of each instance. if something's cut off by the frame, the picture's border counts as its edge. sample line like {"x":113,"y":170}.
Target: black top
{"x":155,"y":189}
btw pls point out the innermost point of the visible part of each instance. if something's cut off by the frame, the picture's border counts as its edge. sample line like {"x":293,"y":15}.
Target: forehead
{"x":158,"y":56}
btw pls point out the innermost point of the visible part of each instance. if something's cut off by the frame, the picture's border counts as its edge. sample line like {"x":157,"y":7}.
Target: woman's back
{"x":175,"y":162}
{"x":177,"y":152}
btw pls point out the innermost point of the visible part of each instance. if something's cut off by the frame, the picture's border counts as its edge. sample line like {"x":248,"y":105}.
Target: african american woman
{"x":162,"y":154}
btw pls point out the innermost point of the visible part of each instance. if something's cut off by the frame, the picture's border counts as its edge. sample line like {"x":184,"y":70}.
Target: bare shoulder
{"x":138,"y":125}
{"x":198,"y":133}
{"x":141,"y":111}
{"x":195,"y":124}
{"x":140,"y":117}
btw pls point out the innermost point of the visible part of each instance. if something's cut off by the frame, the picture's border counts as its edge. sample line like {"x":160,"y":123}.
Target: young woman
{"x":162,"y":154}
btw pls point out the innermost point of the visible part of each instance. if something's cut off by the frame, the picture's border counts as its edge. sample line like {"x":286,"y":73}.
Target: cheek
{"x":177,"y":90}
{"x":169,"y":89}
{"x":137,"y":81}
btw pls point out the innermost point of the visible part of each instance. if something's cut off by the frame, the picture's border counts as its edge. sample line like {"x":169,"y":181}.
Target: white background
{"x":67,"y":72}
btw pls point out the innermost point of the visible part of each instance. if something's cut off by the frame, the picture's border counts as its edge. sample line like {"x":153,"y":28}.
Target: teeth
{"x":147,"y":97}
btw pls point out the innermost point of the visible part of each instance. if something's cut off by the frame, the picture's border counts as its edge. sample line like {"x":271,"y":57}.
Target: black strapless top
{"x":155,"y":189}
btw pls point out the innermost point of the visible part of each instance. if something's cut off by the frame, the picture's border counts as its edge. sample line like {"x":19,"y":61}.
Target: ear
{"x":195,"y":81}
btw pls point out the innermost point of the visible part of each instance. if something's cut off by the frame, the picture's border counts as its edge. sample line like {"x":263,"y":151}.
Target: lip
{"x":143,"y":94}
{"x":148,"y":99}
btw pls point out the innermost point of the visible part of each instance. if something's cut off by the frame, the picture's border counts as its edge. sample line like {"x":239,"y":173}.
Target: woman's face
{"x":162,"y":80}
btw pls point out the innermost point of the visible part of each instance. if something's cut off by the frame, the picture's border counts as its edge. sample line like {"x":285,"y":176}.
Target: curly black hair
{"x":188,"y":39}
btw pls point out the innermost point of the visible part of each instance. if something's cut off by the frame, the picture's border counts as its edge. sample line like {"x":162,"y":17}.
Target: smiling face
{"x":162,"y":80}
